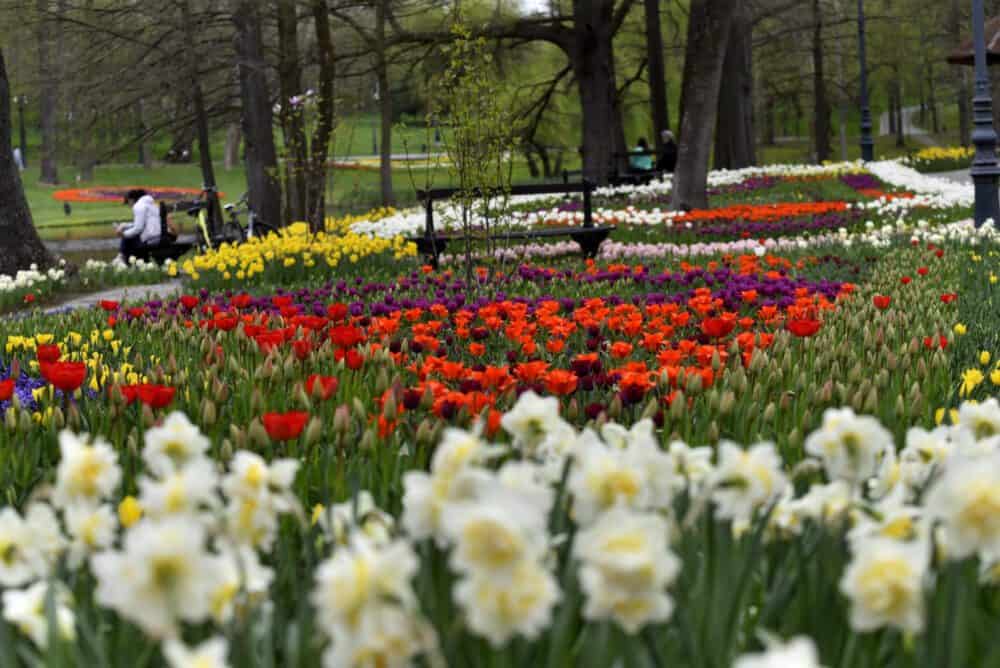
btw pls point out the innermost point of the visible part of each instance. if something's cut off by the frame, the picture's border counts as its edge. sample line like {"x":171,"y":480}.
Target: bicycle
{"x":254,"y":227}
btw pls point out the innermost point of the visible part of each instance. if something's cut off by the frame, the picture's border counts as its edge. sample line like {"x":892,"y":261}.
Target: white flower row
{"x":942,"y":192}
{"x":30,"y":278}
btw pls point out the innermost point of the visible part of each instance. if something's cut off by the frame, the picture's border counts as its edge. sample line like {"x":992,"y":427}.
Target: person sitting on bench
{"x":641,"y":160}
{"x":144,"y":230}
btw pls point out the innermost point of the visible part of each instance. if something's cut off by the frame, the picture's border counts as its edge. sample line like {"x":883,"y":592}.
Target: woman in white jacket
{"x":144,"y":230}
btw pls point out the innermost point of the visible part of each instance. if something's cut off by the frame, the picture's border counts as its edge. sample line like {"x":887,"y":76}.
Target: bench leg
{"x":589,"y":246}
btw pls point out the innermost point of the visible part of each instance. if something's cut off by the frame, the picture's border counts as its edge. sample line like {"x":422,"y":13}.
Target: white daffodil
{"x":26,"y":610}
{"x":849,"y":445}
{"x":966,"y":499}
{"x":92,"y":528}
{"x":19,"y":563}
{"x":530,"y":420}
{"x":625,"y":567}
{"x":798,"y":652}
{"x":184,"y":490}
{"x":603,"y":477}
{"x":162,"y":575}
{"x":47,"y":542}
{"x":981,"y":419}
{"x":746,"y":480}
{"x":384,"y":635}
{"x":884,"y":582}
{"x":360,"y":576}
{"x":209,"y":654}
{"x":237,"y":570}
{"x":250,"y":476}
{"x":499,"y":608}
{"x":173,"y":444}
{"x":88,"y":471}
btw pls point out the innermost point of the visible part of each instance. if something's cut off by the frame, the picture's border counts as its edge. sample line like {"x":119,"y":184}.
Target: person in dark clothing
{"x":668,"y":158}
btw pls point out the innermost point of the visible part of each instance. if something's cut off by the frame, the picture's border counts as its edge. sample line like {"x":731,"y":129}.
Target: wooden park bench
{"x":622,"y":171}
{"x":588,"y":236}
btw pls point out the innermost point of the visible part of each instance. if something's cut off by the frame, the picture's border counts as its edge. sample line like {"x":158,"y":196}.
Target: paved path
{"x":909,"y":128}
{"x":127,"y":294}
{"x":84,"y":245}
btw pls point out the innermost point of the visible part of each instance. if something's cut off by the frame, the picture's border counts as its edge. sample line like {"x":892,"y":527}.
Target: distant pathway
{"x":909,"y":129}
{"x":130,"y":293}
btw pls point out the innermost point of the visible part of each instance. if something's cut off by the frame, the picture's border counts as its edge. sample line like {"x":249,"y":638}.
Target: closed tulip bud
{"x":288,"y":368}
{"x":389,"y":409}
{"x":10,"y":419}
{"x":58,"y":418}
{"x":615,"y":408}
{"x":756,"y":394}
{"x":313,"y":431}
{"x":769,"y":412}
{"x":256,"y":401}
{"x":303,"y":398}
{"x":572,"y":410}
{"x":677,"y":406}
{"x":891,"y":362}
{"x":713,"y":400}
{"x":716,"y":361}
{"x":900,"y":407}
{"x":148,"y":419}
{"x":914,"y":347}
{"x":758,"y":361}
{"x":807,"y":418}
{"x":258,"y":435}
{"x":871,"y":401}
{"x":786,"y":400}
{"x":826,"y":392}
{"x":427,"y":401}
{"x":360,"y":413}
{"x":840,"y":391}
{"x":206,"y":345}
{"x":857,"y":401}
{"x":24,"y":422}
{"x":922,"y":368}
{"x":237,"y":436}
{"x":235,"y":367}
{"x":712,"y":435}
{"x":381,"y":381}
{"x":727,"y":403}
{"x":854,"y":375}
{"x":795,"y":438}
{"x":651,"y":407}
{"x":209,"y":414}
{"x":693,"y":384}
{"x":425,"y":433}
{"x":602,"y":419}
{"x":835,"y":369}
{"x":226,"y":450}
{"x":914,"y":391}
{"x":341,"y":419}
{"x":132,"y":443}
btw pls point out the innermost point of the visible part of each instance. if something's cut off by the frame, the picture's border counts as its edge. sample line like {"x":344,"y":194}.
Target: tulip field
{"x":761,"y":434}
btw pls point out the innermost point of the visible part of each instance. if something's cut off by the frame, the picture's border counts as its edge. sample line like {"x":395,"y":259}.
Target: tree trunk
{"x":709,"y":23}
{"x":734,"y":135}
{"x":592,"y":55}
{"x":48,"y":99}
{"x":231,"y":156}
{"x":145,"y":151}
{"x":932,"y":99}
{"x":258,"y":130}
{"x":657,"y":72}
{"x":316,"y":184}
{"x":201,"y":123}
{"x":385,"y":104}
{"x":292,"y":122}
{"x":900,"y":120}
{"x":821,"y":106}
{"x":769,"y":121}
{"x":20,"y":246}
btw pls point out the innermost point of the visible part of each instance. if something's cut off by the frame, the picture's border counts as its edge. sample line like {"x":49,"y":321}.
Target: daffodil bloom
{"x":960,"y":329}
{"x":984,"y":357}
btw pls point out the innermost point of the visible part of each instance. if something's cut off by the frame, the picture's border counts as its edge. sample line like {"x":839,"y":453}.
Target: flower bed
{"x":699,"y":450}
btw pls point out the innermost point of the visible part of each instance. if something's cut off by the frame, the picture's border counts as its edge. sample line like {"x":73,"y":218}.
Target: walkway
{"x":909,"y":129}
{"x":127,"y":294}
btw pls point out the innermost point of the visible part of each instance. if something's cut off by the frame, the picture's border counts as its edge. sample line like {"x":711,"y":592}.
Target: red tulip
{"x":156,"y":396}
{"x":327,"y":385}
{"x":129,"y":392}
{"x":137,"y":311}
{"x":48,"y":353}
{"x":108,"y":305}
{"x":267,"y":341}
{"x":226,"y":324}
{"x":905,"y":280}
{"x":241,"y":301}
{"x":804,"y":327}
{"x":923,"y":271}
{"x":285,"y":426}
{"x":29,"y":298}
{"x":189,"y":301}
{"x":289,"y":312}
{"x":346,"y":336}
{"x":561,"y":383}
{"x":66,"y":376}
{"x":337,"y":312}
{"x":282,"y":300}
{"x":948,"y":297}
{"x":6,"y":389}
{"x":939,"y":253}
{"x":882,"y":301}
{"x":354,"y":359}
{"x":302,"y":348}
{"x":717,"y":327}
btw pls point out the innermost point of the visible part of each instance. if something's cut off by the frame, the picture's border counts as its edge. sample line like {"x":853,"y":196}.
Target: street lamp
{"x":867,"y":145}
{"x":984,"y":164}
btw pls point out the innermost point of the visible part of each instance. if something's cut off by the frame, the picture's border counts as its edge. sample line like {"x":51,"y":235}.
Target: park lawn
{"x":352,"y":191}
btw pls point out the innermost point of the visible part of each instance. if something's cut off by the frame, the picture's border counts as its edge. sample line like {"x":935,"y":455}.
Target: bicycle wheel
{"x":232,"y":234}
{"x":263,"y":229}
